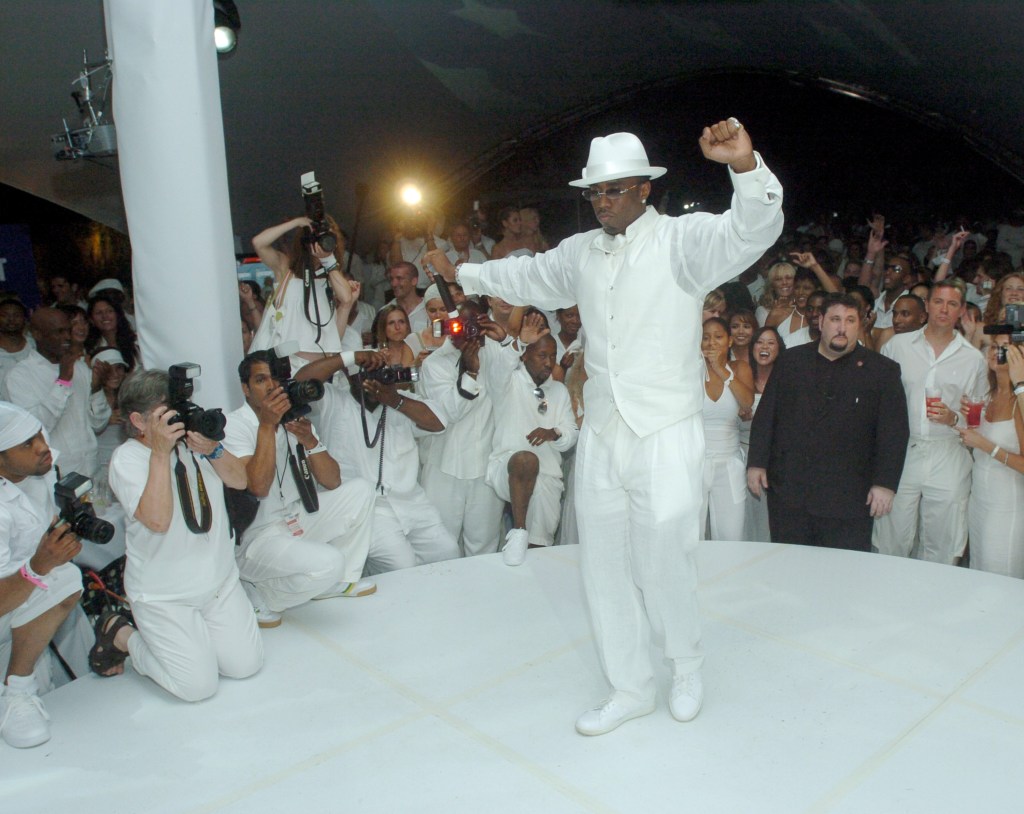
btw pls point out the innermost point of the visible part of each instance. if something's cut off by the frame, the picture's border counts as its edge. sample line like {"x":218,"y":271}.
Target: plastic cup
{"x":974,"y":409}
{"x":932,"y":397}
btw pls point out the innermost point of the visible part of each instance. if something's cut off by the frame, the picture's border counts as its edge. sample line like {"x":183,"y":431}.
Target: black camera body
{"x":210,"y":423}
{"x":320,"y":230}
{"x":1013,"y":327}
{"x":68,"y":494}
{"x":461,"y":327}
{"x":300,"y":394}
{"x":392,"y":374}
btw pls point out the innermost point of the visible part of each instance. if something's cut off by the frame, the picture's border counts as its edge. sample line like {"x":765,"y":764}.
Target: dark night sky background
{"x":831,"y":152}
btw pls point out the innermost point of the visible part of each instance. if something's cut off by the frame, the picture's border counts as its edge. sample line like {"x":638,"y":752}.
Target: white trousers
{"x":545,"y":507}
{"x":469,"y":509}
{"x":638,"y":507}
{"x":427,"y":539}
{"x":931,"y":501}
{"x":723,"y":498}
{"x":288,"y":571}
{"x":185,"y":645}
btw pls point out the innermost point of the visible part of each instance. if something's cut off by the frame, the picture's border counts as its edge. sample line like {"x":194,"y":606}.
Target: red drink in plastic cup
{"x":974,"y":413}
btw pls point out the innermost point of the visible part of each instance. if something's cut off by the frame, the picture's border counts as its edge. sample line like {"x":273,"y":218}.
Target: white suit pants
{"x":469,"y":509}
{"x":427,"y":539}
{"x":638,"y":507}
{"x":932,"y":500}
{"x":288,"y":571}
{"x":185,"y":645}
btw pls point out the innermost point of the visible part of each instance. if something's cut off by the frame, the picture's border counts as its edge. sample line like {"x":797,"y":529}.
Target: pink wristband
{"x":63,"y":382}
{"x":33,"y":578}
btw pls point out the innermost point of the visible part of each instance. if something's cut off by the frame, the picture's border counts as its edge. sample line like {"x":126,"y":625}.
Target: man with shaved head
{"x":57,"y":387}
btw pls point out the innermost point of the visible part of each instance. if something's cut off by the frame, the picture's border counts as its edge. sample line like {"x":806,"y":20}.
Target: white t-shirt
{"x":293,"y":325}
{"x":240,"y":441}
{"x":26,"y":509}
{"x":177,"y":564}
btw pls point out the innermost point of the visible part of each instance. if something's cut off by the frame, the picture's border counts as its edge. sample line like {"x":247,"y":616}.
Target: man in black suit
{"x":829,"y":436}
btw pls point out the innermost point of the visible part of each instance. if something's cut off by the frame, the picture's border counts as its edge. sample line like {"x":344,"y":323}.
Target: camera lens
{"x":210,"y":423}
{"x":92,"y":528}
{"x":305,"y":392}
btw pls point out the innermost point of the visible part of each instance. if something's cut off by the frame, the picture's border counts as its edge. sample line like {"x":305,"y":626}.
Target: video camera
{"x":463,"y":326}
{"x":300,"y":394}
{"x":68,"y":493}
{"x":320,"y":230}
{"x":210,"y":423}
{"x":1013,"y":327}
{"x":392,"y":374}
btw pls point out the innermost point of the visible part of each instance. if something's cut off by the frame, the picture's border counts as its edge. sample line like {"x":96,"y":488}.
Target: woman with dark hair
{"x":312,"y":299}
{"x":79,"y":328}
{"x":742,"y":325}
{"x":390,"y":330}
{"x":995,"y":518}
{"x":728,"y":389}
{"x":251,"y":303}
{"x":765,"y":348}
{"x":512,"y":233}
{"x":110,"y":328}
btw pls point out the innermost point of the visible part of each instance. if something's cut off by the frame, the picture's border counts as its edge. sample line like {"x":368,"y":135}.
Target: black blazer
{"x":827,"y":439}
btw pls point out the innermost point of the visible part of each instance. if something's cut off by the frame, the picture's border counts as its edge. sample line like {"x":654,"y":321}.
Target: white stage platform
{"x":836,"y":682}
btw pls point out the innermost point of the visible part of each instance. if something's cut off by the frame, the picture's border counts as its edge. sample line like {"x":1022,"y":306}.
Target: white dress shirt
{"x":640,"y":296}
{"x":960,"y":370}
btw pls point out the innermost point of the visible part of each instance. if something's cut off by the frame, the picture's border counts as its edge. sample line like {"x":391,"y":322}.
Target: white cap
{"x":106,"y":285}
{"x":112,"y":356}
{"x":16,"y":425}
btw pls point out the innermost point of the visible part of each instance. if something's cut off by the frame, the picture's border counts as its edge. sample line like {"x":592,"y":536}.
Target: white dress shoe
{"x":686,"y":697}
{"x":612,"y":714}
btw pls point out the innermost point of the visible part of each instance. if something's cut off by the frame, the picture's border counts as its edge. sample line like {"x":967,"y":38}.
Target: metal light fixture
{"x":226,"y":25}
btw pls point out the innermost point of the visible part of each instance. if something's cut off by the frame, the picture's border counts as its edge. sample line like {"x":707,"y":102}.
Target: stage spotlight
{"x":226,"y":25}
{"x":411,"y":195}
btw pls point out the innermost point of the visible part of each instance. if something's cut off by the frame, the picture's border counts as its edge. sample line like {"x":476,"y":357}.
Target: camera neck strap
{"x":299,"y":465}
{"x":309,"y":279}
{"x":188,"y":509}
{"x":458,"y":382}
{"x":377,"y":436}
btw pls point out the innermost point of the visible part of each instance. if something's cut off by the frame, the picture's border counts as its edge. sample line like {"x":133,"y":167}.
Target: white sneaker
{"x":612,"y":714}
{"x":364,"y":587}
{"x":265,"y":617}
{"x":686,"y":697}
{"x":516,"y":543}
{"x":25,"y":722}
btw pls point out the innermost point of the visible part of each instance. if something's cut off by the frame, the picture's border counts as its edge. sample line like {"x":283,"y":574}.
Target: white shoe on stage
{"x":686,"y":697}
{"x":516,"y":543}
{"x":612,"y":714}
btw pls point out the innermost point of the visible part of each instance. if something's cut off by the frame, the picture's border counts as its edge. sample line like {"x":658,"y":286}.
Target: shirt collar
{"x":605,"y":242}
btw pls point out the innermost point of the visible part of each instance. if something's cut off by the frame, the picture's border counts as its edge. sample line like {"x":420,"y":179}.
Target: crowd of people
{"x":863,"y":388}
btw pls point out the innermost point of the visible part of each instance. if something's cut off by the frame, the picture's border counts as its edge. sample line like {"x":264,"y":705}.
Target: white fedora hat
{"x":620,"y":155}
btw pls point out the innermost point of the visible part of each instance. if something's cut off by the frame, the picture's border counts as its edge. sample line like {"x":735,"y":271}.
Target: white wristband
{"x":329,"y":262}
{"x":995,"y":451}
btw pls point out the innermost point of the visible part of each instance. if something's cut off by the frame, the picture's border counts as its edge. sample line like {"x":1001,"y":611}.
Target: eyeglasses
{"x":539,"y":394}
{"x":893,"y":267}
{"x":611,"y":194}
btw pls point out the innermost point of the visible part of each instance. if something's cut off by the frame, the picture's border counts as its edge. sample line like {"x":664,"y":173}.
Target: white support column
{"x":170,"y":141}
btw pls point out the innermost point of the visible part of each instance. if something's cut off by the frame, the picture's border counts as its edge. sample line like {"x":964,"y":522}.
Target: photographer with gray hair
{"x":194,"y":620}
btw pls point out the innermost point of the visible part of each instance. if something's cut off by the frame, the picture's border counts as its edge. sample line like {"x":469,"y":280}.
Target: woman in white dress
{"x":765,"y":349}
{"x":728,"y":389}
{"x":995,"y":509}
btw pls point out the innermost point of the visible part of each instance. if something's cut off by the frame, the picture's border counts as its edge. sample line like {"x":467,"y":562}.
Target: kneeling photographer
{"x":370,"y":427}
{"x":194,"y":620}
{"x":39,"y":586}
{"x":304,"y":543}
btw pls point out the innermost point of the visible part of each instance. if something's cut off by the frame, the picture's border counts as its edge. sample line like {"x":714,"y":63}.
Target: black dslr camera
{"x":1013,"y":327}
{"x":320,"y":230}
{"x":79,"y":515}
{"x":392,"y":374}
{"x":300,"y":394}
{"x":205,"y":422}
